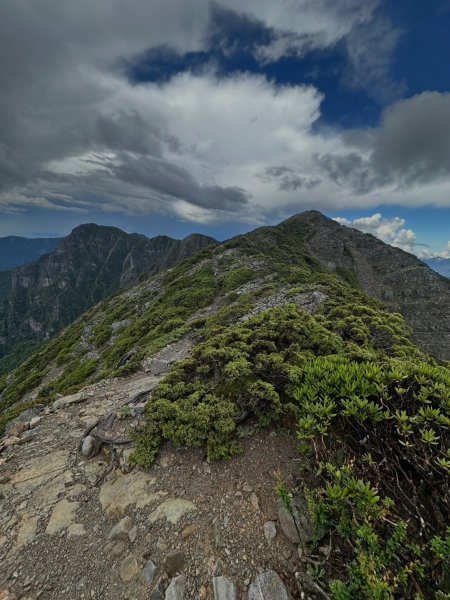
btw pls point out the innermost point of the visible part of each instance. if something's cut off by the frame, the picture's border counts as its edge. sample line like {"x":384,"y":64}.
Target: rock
{"x":268,"y":586}
{"x":121,"y":530}
{"x":175,"y":591}
{"x":217,"y":568}
{"x":157,"y":592}
{"x":68,"y":400}
{"x":133,"y":534}
{"x":24,"y":417}
{"x":115,"y":548}
{"x":129,"y":568}
{"x":27,"y":530}
{"x":76,"y":529}
{"x":224,"y":588}
{"x":287,"y":523}
{"x":218,"y":538}
{"x":63,"y":515}
{"x":35,"y":422}
{"x":89,"y":446}
{"x":172,"y":509}
{"x":189,"y":530}
{"x":161,"y":545}
{"x":11,"y":441}
{"x":149,"y":572}
{"x":173,"y":563}
{"x":6,"y":595}
{"x":124,"y":461}
{"x":302,"y":520}
{"x":116,"y":495}
{"x":270,"y":530}
{"x":17,"y":429}
{"x":255,"y":502}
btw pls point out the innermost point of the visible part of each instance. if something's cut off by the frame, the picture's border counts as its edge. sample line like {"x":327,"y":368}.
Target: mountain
{"x":440,"y":265}
{"x":389,"y":274}
{"x":39,"y":299}
{"x":16,"y":251}
{"x":278,"y":351}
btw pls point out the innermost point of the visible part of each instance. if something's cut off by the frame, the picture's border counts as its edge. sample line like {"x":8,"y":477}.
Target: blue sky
{"x":217,"y":117}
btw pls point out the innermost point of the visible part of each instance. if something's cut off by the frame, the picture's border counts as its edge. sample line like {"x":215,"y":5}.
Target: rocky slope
{"x":201,"y":526}
{"x":17,"y":251}
{"x":389,"y":274}
{"x":39,"y":299}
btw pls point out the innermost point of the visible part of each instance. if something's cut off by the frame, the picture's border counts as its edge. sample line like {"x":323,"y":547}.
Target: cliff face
{"x":389,"y":274}
{"x":39,"y":299}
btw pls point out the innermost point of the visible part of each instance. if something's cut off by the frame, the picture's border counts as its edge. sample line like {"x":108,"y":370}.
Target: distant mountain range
{"x":440,"y":265}
{"x":17,"y":251}
{"x":39,"y":299}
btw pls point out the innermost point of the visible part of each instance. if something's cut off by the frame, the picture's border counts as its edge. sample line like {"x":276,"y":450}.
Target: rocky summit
{"x":259,"y":421}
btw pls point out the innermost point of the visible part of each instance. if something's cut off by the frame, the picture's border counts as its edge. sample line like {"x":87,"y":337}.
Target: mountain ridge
{"x":94,"y":261}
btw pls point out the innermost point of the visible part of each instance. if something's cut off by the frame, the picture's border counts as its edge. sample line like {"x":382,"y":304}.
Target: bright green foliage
{"x":246,"y":370}
{"x":400,"y":411}
{"x":234,"y":279}
{"x":385,"y":560}
{"x":78,"y":373}
{"x":282,"y":491}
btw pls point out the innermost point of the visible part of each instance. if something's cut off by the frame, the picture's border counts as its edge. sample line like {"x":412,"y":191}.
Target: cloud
{"x":77,"y":134}
{"x":410,"y":148}
{"x":391,"y":231}
{"x":428,"y":253}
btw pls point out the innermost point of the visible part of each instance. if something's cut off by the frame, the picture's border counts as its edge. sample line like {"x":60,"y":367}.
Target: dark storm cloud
{"x":411,"y":146}
{"x":172,"y":180}
{"x":288,"y":180}
{"x":414,"y":139}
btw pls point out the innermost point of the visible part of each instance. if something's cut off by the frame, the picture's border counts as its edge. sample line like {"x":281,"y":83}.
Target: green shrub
{"x":237,"y":278}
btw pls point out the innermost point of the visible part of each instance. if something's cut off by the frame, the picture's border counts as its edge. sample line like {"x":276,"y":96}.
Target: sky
{"x":175,"y":116}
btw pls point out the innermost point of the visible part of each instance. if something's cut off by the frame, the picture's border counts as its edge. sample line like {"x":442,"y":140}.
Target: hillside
{"x":17,"y":251}
{"x":272,"y":350}
{"x":39,"y":299}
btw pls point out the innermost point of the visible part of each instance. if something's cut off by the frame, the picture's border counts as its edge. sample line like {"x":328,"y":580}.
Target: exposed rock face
{"x":39,"y":299}
{"x":389,"y":274}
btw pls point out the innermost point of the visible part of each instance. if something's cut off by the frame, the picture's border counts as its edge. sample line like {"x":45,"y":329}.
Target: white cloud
{"x":391,"y":231}
{"x":428,"y":253}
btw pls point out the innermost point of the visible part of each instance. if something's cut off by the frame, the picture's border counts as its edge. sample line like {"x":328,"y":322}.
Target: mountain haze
{"x":440,"y":265}
{"x":17,"y":251}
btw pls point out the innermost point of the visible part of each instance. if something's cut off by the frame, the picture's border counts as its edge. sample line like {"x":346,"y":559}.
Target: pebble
{"x":270,"y":530}
{"x":224,"y":588}
{"x":122,"y":530}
